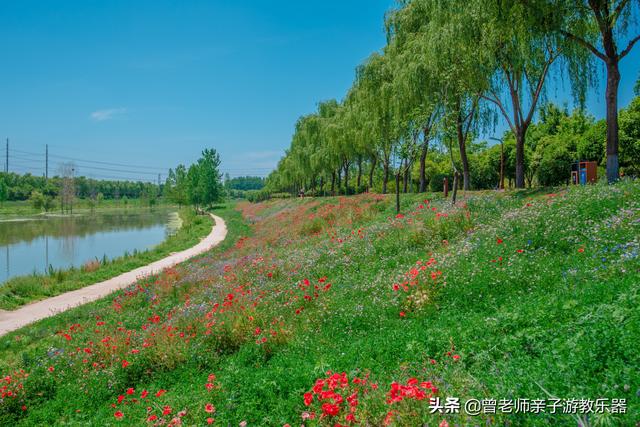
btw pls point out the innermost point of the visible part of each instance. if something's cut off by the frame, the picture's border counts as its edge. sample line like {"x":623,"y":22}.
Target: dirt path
{"x":12,"y":320}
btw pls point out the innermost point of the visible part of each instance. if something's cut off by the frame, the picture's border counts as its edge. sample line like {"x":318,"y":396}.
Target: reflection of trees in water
{"x":68,"y":227}
{"x":68,"y":246}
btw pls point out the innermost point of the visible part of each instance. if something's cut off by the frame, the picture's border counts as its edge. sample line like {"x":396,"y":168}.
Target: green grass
{"x":537,"y":293}
{"x":10,"y":209}
{"x":22,"y":290}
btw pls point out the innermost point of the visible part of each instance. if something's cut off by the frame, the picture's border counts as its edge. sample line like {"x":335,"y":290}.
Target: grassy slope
{"x":558,"y":310}
{"x":22,"y":290}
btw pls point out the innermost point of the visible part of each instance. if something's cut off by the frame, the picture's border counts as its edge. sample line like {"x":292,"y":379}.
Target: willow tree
{"x":516,"y":52}
{"x":375,"y":80}
{"x":601,"y":27}
{"x":327,"y":111}
{"x":416,"y":88}
{"x":453,"y":39}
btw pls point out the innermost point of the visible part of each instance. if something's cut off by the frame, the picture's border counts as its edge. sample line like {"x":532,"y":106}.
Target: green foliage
{"x":630,"y":137}
{"x":20,"y":187}
{"x":245,"y":183}
{"x":37,"y":200}
{"x":554,"y":167}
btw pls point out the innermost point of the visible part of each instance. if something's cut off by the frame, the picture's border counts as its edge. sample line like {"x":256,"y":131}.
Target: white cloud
{"x":107,"y":114}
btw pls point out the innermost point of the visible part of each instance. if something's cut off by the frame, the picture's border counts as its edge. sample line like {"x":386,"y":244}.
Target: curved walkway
{"x":12,"y":320}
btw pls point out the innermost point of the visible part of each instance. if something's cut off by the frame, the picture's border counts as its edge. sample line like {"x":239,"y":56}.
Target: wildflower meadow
{"x":338,"y":311}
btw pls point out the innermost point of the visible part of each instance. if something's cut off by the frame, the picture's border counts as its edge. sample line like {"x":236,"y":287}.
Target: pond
{"x":33,"y":244}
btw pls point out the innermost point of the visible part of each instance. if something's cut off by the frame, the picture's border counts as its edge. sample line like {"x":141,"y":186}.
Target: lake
{"x":35,"y":243}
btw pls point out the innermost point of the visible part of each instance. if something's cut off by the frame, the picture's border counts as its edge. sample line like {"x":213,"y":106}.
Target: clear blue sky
{"x":152,"y":83}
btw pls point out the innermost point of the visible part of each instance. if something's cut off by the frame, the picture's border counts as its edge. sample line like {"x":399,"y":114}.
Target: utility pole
{"x":46,"y":162}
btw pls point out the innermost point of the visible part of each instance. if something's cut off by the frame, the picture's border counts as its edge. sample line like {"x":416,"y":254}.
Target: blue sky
{"x":149,"y":84}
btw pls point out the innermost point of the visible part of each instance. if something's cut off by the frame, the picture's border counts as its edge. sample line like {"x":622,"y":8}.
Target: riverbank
{"x":21,"y":208}
{"x":27,"y":289}
{"x":10,"y":321}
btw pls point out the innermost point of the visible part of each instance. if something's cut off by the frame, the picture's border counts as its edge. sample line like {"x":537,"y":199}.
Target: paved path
{"x":12,"y":320}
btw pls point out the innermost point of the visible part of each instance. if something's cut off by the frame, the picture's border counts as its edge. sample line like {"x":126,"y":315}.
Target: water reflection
{"x":31,"y":245}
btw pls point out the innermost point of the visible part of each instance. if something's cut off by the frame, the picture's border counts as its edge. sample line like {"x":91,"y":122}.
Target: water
{"x":31,"y":244}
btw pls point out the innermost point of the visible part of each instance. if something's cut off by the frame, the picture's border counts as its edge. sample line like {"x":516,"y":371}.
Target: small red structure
{"x":584,"y":173}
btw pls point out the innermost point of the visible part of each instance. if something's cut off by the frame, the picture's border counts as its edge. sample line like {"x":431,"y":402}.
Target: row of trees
{"x":15,"y":186}
{"x":449,"y":72}
{"x":200,"y":185}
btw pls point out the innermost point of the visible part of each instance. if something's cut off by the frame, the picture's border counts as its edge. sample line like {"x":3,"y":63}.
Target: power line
{"x":99,"y":162}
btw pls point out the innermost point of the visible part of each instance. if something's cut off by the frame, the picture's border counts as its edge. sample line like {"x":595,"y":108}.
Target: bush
{"x":255,"y":196}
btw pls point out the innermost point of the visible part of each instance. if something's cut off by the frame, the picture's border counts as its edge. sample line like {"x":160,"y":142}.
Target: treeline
{"x":449,"y":72}
{"x":15,"y":186}
{"x":244,"y":183}
{"x":200,"y":185}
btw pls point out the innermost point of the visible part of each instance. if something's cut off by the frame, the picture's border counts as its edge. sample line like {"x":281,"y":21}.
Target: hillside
{"x":337,"y":310}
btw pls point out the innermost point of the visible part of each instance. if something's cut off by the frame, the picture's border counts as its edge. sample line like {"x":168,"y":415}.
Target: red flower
{"x":209,"y":408}
{"x":581,"y":250}
{"x":118,"y":415}
{"x":209,"y":420}
{"x":144,"y":394}
{"x":402,"y":314}
{"x":166,"y":410}
{"x":130,"y":391}
{"x":152,"y":418}
{"x":387,"y":419}
{"x":519,"y":251}
{"x":308,"y":398}
{"x":51,"y":369}
{"x":160,"y":392}
{"x":456,"y":357}
{"x":125,"y":363}
{"x":499,"y":240}
{"x":330,"y":409}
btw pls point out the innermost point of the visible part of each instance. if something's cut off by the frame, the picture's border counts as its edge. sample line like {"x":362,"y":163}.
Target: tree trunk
{"x":346,"y":178}
{"x":339,"y":183}
{"x":322,"y":184}
{"x":385,"y":178}
{"x":613,"y":81}
{"x":373,"y":169}
{"x":359,"y":179}
{"x":423,"y":162}
{"x":398,"y":191}
{"x":454,"y":195}
{"x":520,"y":158}
{"x":407,"y":176}
{"x":462,"y":145}
{"x":333,"y":182}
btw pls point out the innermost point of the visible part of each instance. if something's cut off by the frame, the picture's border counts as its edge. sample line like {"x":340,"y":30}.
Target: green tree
{"x":4,"y":191}
{"x":630,"y":137}
{"x":37,"y":200}
{"x":601,"y":27}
